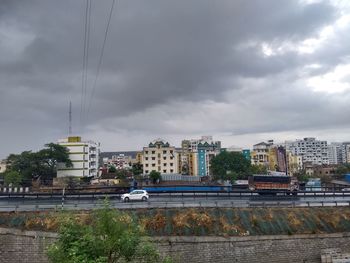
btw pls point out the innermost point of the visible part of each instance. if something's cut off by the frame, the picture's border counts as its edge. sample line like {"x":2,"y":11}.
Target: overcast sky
{"x":242,"y":71}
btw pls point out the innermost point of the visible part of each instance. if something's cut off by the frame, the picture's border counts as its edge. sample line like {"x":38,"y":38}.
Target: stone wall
{"x":29,"y":246}
{"x":24,"y":246}
{"x":251,"y":249}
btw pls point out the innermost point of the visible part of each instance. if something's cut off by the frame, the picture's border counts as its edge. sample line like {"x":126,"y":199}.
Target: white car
{"x":139,"y":195}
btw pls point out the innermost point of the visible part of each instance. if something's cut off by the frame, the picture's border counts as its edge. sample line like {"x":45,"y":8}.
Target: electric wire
{"x":101,"y":56}
{"x":85,"y":62}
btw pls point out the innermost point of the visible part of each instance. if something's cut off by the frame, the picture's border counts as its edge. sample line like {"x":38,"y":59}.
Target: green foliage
{"x":302,"y":176}
{"x":259,"y":169}
{"x":342,"y":170}
{"x":41,"y":164}
{"x":110,"y":237}
{"x":122,"y":174}
{"x":137,"y":169}
{"x":155,"y":176}
{"x":13,"y":177}
{"x":230,"y":166}
{"x":112,"y":169}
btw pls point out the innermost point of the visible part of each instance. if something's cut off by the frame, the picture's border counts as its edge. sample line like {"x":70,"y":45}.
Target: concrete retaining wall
{"x":29,"y":246}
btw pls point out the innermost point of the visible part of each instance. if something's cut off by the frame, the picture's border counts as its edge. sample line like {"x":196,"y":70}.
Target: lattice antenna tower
{"x":70,"y":119}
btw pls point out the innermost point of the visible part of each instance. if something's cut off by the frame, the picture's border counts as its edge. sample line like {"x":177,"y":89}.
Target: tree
{"x":259,"y":169}
{"x":302,"y":176}
{"x":112,"y":169}
{"x":230,"y":166}
{"x":342,"y":169}
{"x":39,"y":165}
{"x":137,"y":169}
{"x":13,"y":178}
{"x":155,"y":176}
{"x":123,"y":174}
{"x":110,"y":237}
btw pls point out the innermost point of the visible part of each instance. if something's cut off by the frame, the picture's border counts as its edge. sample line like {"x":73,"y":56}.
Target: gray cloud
{"x":164,"y":63}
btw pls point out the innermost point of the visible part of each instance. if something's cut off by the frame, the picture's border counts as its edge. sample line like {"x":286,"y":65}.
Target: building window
{"x":164,"y":152}
{"x":146,"y":152}
{"x":164,"y":164}
{"x":146,"y":158}
{"x":153,"y":164}
{"x":146,"y":171}
{"x":171,"y":170}
{"x":164,"y":158}
{"x":153,"y":158}
{"x":171,"y":164}
{"x":171,"y":151}
{"x":171,"y":158}
{"x":153,"y":152}
{"x":146,"y":164}
{"x":164,"y":171}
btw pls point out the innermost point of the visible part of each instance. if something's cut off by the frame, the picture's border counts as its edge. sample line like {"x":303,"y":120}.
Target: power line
{"x":85,"y":61}
{"x":87,"y":56}
{"x":101,"y":56}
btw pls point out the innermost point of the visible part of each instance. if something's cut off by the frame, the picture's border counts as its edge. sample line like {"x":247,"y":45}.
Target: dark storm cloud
{"x":158,"y":52}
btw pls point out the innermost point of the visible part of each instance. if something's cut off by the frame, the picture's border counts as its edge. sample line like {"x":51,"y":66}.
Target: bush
{"x":110,"y":237}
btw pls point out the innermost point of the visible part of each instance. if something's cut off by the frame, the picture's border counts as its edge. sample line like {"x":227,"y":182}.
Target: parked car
{"x":137,"y":195}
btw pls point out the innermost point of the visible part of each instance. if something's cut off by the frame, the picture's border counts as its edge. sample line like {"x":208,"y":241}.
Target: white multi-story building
{"x":161,"y":157}
{"x":207,"y":140}
{"x":335,"y":153}
{"x":311,"y":150}
{"x":3,"y":166}
{"x":345,"y":152}
{"x":84,"y":156}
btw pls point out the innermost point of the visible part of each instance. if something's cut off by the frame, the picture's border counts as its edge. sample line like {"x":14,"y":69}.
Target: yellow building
{"x":192,"y":163}
{"x":272,"y":160}
{"x":295,"y":163}
{"x":161,"y":157}
{"x":139,"y":157}
{"x":261,"y":154}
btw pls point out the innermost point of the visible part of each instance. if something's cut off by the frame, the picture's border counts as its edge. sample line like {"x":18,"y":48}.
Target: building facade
{"x":120,"y":161}
{"x":3,"y":166}
{"x":84,"y":156}
{"x":261,"y":154}
{"x":335,"y":153}
{"x":310,"y":149}
{"x":345,"y":152}
{"x":161,"y":157}
{"x":295,"y":163}
{"x":199,"y":152}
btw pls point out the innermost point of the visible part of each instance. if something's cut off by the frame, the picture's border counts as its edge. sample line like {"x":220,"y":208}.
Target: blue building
{"x":202,"y":167}
{"x":246,"y":154}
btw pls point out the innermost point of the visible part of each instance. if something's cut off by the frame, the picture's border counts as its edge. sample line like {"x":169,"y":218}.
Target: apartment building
{"x":345,"y":152}
{"x":295,"y":163}
{"x":261,"y":153}
{"x":311,"y":150}
{"x":199,"y":152}
{"x":161,"y":157}
{"x":3,"y":166}
{"x":335,"y":153}
{"x":84,"y":156}
{"x":120,"y":161}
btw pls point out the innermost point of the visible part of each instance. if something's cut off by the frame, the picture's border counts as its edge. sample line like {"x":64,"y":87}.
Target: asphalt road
{"x":170,"y":201}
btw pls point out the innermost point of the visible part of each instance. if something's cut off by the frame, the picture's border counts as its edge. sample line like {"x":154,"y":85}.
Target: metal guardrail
{"x":178,"y":194}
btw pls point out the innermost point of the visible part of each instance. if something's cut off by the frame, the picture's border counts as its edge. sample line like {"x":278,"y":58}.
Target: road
{"x":88,"y":202}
